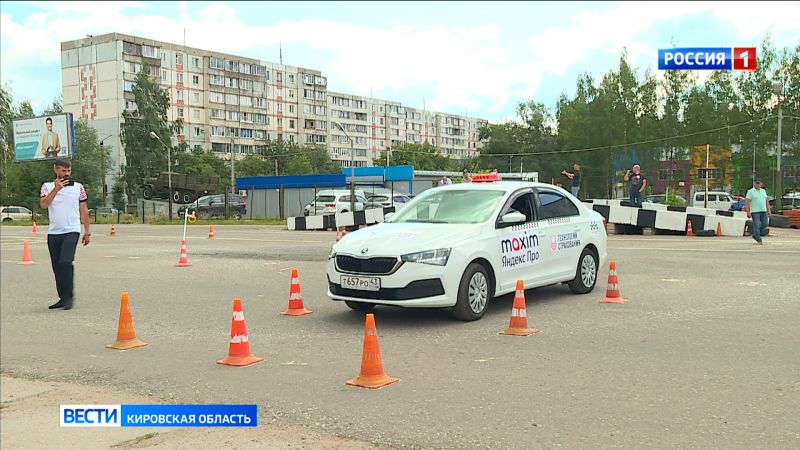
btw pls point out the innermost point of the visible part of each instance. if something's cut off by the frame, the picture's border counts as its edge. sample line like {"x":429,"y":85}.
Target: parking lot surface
{"x":703,"y":354}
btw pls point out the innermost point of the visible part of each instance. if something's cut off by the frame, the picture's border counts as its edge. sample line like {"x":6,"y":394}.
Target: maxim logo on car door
{"x":565,"y":241}
{"x":519,"y":250}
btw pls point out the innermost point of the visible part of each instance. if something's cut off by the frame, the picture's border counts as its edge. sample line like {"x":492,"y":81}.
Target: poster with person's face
{"x":43,"y":137}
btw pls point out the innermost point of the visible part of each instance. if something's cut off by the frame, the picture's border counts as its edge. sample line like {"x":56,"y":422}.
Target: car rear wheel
{"x":474,"y":293}
{"x":586,"y":275}
{"x":147,"y":192}
{"x":359,"y":306}
{"x":186,"y":197}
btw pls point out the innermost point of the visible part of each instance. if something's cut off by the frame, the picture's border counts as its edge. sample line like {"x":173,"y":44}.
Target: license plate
{"x":361,"y":283}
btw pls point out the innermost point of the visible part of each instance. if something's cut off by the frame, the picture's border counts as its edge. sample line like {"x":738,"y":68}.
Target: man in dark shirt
{"x":575,"y":177}
{"x":638,"y":184}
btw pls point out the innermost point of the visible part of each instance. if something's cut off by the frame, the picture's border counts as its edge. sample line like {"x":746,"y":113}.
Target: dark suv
{"x":214,"y":206}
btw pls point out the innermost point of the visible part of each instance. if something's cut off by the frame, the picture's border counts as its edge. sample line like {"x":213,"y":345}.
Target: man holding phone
{"x":65,"y":201}
{"x":638,"y":184}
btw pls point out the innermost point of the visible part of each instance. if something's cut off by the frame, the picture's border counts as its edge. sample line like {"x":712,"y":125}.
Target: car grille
{"x":366,"y":265}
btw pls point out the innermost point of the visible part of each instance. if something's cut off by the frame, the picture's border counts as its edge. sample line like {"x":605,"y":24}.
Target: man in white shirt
{"x":65,"y":201}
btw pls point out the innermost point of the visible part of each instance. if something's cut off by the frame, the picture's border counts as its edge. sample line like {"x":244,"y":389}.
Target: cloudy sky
{"x":475,"y":58}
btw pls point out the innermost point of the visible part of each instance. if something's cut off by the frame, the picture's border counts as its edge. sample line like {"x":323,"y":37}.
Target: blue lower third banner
{"x":159,"y":415}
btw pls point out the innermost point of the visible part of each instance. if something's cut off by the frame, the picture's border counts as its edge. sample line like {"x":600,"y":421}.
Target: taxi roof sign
{"x":485,"y":177}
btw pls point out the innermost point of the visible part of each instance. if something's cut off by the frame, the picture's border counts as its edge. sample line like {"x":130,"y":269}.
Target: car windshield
{"x":450,"y":206}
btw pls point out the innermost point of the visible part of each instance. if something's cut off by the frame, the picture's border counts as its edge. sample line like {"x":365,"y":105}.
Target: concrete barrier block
{"x":623,"y":215}
{"x":345,"y":219}
{"x":671,"y":220}
{"x":314,"y":223}
{"x":290,"y":223}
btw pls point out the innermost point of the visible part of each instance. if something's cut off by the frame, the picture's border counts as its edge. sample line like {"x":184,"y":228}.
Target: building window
{"x":180,"y":112}
{"x":132,"y":67}
{"x":178,"y":59}
{"x":291,"y":123}
{"x":179,"y":95}
{"x":291,"y":93}
{"x":246,"y":100}
{"x":259,"y":70}
{"x":280,"y":122}
{"x":163,"y":74}
{"x":247,"y":133}
{"x":129,"y":85}
{"x":195,"y":97}
{"x":258,"y":134}
{"x":218,"y":80}
{"x":258,"y":86}
{"x":130,"y":105}
{"x":280,"y":107}
{"x":291,"y":78}
{"x":179,"y":78}
{"x":150,"y":52}
{"x":246,"y":84}
{"x":232,"y":66}
{"x":244,"y":68}
{"x":196,"y":80}
{"x":291,"y":108}
{"x":196,"y":114}
{"x":217,"y":114}
{"x":279,"y":76}
{"x":233,"y":83}
{"x":198,"y":131}
{"x":216,"y":63}
{"x":195,"y":62}
{"x":231,"y":99}
{"x":259,"y":102}
{"x":232,"y":115}
{"x":217,"y":130}
{"x":216,"y":97}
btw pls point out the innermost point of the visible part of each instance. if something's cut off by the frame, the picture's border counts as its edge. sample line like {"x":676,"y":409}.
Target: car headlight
{"x":436,"y":257}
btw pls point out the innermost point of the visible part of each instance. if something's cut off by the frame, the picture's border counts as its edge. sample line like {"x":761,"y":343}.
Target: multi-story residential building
{"x":233,"y":105}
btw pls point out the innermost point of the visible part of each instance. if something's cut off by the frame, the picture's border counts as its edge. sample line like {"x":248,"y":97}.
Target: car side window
{"x":553,"y":204}
{"x":523,"y":204}
{"x":712,"y":197}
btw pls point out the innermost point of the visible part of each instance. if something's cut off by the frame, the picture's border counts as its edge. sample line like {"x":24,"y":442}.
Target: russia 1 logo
{"x":744,"y":58}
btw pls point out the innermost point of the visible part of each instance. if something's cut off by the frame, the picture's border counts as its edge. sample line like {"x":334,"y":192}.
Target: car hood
{"x":395,"y":239}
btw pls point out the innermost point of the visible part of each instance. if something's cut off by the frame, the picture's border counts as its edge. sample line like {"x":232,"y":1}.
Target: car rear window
{"x":325,"y":198}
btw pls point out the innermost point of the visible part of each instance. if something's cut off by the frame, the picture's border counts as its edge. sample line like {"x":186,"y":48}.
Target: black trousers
{"x":62,"y":254}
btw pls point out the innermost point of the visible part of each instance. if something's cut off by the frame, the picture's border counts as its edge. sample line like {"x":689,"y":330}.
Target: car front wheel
{"x":586,"y":275}
{"x":474,"y":293}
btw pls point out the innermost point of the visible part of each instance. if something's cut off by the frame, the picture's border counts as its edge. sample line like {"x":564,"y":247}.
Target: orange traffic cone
{"x":211,"y":231}
{"x":372,"y":375}
{"x":339,"y":235}
{"x":35,"y":229}
{"x":296,"y":307}
{"x":26,"y":254}
{"x":689,"y":231}
{"x":719,"y":229}
{"x":612,"y":291}
{"x":126,"y":334}
{"x":239,"y":348}
{"x":113,"y":230}
{"x":518,"y":325}
{"x":184,"y":259}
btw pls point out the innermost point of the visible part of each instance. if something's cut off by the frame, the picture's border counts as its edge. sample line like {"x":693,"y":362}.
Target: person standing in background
{"x":638,"y":184}
{"x":575,"y":177}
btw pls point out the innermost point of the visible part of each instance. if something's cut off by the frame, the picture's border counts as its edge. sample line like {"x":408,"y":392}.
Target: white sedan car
{"x":461,"y":245}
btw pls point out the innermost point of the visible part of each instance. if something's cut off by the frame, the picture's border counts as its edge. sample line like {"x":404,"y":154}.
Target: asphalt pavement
{"x":704,"y":353}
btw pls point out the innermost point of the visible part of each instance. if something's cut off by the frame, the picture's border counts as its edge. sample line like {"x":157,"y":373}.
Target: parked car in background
{"x":331,"y":202}
{"x":716,"y":200}
{"x":211,"y":206}
{"x":11,"y":213}
{"x":739,"y":203}
{"x":661,"y":198}
{"x":104,"y":212}
{"x":387,"y":201}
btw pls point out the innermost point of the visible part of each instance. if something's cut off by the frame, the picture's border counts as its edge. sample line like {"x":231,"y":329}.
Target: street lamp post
{"x":169,"y":169}
{"x":778,"y":89}
{"x":103,"y":169}
{"x":352,"y":168}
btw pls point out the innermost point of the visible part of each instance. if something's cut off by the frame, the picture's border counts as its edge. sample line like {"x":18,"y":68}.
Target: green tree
{"x":86,"y":167}
{"x":423,"y":156}
{"x":118,"y":193}
{"x":145,"y":156}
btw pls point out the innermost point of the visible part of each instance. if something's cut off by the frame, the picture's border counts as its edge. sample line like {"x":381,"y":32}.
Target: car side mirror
{"x":512,"y":218}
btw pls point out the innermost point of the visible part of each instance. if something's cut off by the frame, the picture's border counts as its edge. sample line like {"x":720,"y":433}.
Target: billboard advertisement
{"x":44,"y":137}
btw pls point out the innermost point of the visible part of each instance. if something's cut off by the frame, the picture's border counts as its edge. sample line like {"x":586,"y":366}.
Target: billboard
{"x":44,"y":137}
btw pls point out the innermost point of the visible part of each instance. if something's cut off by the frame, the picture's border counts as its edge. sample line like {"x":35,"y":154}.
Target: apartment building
{"x":233,"y":105}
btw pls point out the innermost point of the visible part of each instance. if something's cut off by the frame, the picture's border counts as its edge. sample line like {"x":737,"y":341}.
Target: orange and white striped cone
{"x":689,"y":231}
{"x":612,"y":291}
{"x":239,"y":347}
{"x":184,"y":259}
{"x":296,"y":307}
{"x":371,"y":375}
{"x":35,"y":229}
{"x":719,"y":228}
{"x":113,"y":230}
{"x":518,"y":325}
{"x":211,"y":231}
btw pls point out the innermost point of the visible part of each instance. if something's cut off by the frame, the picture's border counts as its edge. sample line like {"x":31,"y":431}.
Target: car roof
{"x":507,"y":186}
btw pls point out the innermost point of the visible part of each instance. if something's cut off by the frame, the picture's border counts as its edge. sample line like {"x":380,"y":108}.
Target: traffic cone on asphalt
{"x":35,"y":230}
{"x":126,"y":334}
{"x":372,"y":375}
{"x":211,"y":231}
{"x":338,"y":235}
{"x":26,"y":254}
{"x":689,"y":231}
{"x":184,"y":259}
{"x":113,"y":230}
{"x":296,"y":307}
{"x":612,"y":291}
{"x":518,"y":325}
{"x":239,"y":348}
{"x":719,"y":229}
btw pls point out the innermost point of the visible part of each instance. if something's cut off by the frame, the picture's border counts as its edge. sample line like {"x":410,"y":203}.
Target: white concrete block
{"x":671,"y":220}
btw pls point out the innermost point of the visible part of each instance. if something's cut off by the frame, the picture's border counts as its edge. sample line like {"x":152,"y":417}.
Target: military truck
{"x":185,"y":188}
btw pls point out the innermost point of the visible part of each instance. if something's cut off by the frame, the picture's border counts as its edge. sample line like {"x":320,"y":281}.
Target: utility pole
{"x":778,"y":88}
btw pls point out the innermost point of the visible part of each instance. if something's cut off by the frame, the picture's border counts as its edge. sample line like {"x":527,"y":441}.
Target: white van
{"x":333,"y":201}
{"x":716,"y":200}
